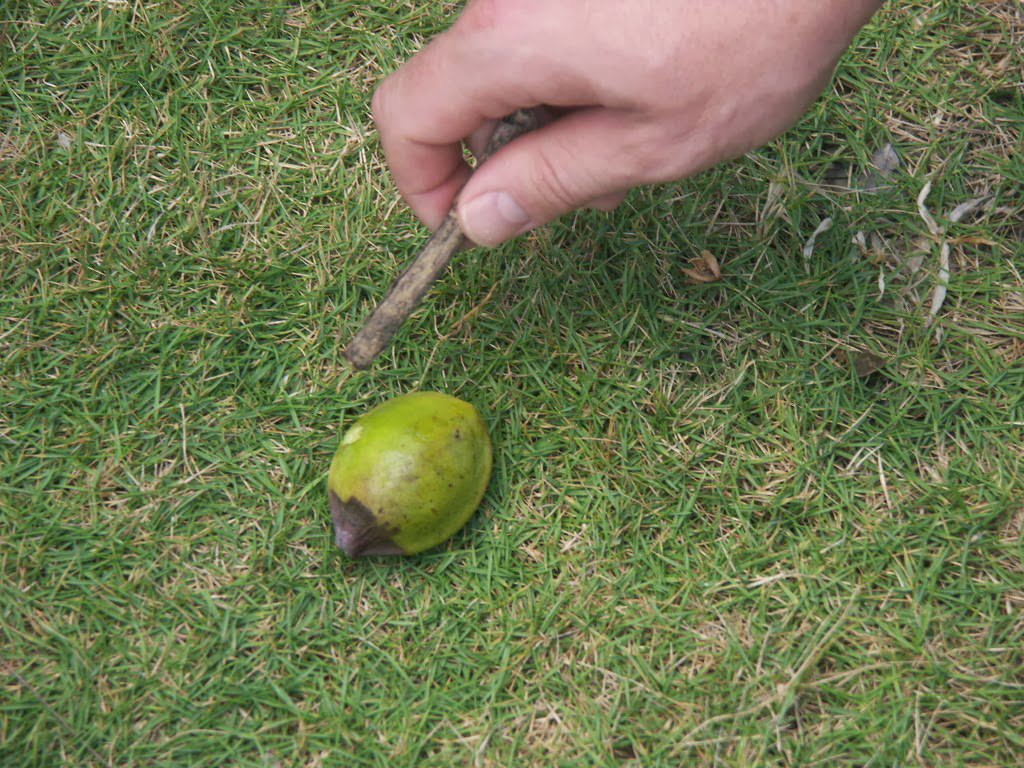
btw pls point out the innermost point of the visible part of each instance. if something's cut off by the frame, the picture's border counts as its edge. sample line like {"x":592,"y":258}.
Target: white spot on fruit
{"x":352,"y":435}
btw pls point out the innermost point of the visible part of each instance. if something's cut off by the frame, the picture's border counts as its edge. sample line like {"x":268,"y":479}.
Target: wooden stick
{"x":412,"y":285}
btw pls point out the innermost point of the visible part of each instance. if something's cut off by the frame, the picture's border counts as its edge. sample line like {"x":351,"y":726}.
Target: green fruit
{"x":408,"y":475}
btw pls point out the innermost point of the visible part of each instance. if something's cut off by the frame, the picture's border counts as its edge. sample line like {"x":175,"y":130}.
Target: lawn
{"x":771,"y":518}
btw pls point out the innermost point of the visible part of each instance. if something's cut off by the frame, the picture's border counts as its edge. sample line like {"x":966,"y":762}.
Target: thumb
{"x":587,"y":156}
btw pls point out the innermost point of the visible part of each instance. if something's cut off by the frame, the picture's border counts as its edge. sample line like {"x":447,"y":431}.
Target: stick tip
{"x":357,"y":358}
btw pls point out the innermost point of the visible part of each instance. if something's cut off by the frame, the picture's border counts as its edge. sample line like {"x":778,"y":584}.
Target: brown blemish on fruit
{"x":357,"y":532}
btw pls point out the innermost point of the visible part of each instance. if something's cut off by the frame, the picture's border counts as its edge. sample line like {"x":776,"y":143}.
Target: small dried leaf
{"x":705,"y":268}
{"x":884,"y":163}
{"x":886,"y":160}
{"x":825,"y":226}
{"x":969,"y":207}
{"x":941,"y":286}
{"x":861,"y":241}
{"x":973,"y":240}
{"x":912,"y":264}
{"x":712,"y":262}
{"x":697,"y":277}
{"x":865,"y":363}
{"x":925,"y":214}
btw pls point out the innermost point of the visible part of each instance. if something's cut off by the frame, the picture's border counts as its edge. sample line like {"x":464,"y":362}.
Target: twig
{"x":412,"y":285}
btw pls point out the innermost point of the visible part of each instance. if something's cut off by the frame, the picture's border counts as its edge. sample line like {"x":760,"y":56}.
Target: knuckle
{"x":551,"y":185}
{"x":655,"y":152}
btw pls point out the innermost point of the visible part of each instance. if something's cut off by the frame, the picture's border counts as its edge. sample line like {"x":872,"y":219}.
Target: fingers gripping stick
{"x":412,"y":285}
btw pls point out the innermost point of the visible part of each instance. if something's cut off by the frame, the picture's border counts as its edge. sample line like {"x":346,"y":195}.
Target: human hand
{"x":644,"y":92}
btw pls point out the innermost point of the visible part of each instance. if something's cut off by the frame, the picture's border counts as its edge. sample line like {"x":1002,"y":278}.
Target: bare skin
{"x":645,"y":93}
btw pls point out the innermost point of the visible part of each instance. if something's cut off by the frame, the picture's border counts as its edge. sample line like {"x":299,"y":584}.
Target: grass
{"x":708,"y":541}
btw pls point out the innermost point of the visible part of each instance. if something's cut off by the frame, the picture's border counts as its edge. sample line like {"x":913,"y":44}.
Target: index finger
{"x":462,"y":81}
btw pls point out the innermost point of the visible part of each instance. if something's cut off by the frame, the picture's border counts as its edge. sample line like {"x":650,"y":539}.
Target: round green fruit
{"x":408,"y":475}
